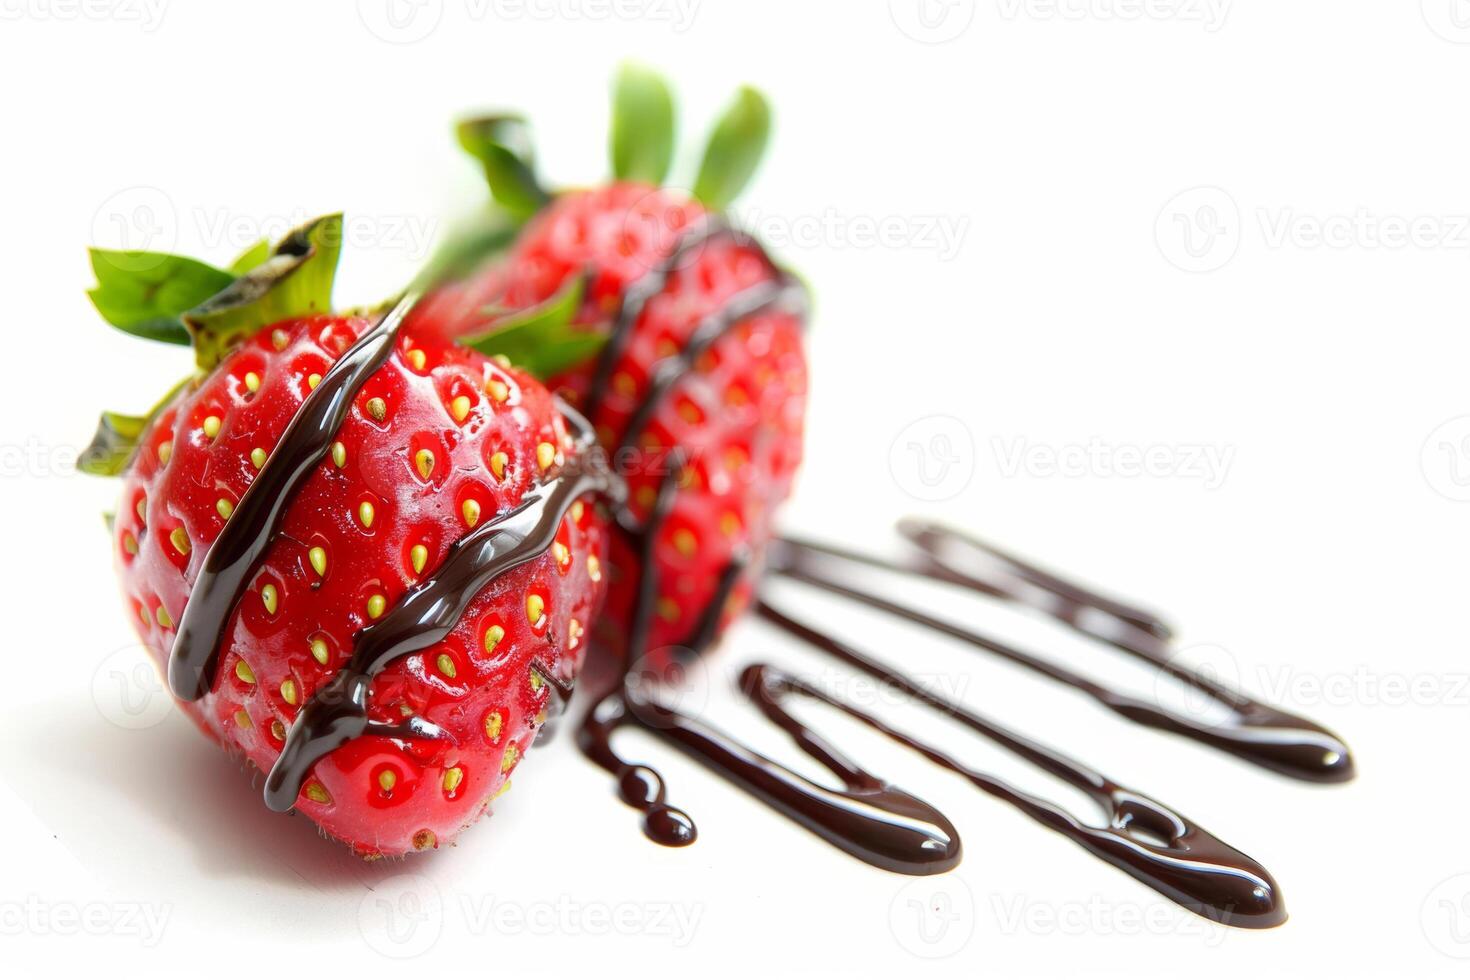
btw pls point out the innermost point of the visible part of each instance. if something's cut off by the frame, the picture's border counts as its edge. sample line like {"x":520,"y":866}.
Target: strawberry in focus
{"x":439,"y":440}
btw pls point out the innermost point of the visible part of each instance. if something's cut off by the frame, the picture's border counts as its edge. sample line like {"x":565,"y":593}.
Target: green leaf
{"x":117,"y":435}
{"x":734,"y":150}
{"x":251,"y":257}
{"x":144,"y":293}
{"x":641,"y":139}
{"x":543,"y":339}
{"x":502,"y":144}
{"x":296,"y":280}
{"x":112,"y":445}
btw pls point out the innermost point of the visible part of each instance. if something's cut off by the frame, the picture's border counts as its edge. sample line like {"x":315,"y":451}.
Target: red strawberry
{"x":439,"y":443}
{"x":655,"y":271}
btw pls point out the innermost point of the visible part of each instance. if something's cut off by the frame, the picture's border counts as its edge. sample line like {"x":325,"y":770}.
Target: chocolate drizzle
{"x":1259,"y":733}
{"x":338,"y":711}
{"x":246,"y":535}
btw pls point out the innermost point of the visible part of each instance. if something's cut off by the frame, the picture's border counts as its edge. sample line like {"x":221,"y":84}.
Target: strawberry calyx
{"x":174,"y":299}
{"x":547,"y":339}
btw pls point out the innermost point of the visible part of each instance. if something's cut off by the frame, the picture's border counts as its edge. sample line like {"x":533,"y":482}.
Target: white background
{"x":1222,"y":231}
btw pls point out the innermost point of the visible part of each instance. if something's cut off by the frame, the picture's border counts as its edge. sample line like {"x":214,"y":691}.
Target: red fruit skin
{"x":738,"y":416}
{"x":422,"y":808}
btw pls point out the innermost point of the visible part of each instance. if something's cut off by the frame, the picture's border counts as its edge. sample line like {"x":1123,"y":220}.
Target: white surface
{"x":1326,"y":558}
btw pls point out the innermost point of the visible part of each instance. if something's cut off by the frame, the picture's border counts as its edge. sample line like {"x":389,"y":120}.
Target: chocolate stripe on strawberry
{"x":256,"y":518}
{"x":338,"y":711}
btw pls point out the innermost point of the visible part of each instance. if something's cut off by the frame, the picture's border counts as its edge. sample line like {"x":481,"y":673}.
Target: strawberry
{"x":440,"y":450}
{"x":676,"y":334}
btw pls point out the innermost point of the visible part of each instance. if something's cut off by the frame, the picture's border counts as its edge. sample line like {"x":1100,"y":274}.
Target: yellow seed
{"x":278,"y":730}
{"x":577,"y":510}
{"x":545,"y":455}
{"x":594,"y":568}
{"x":424,"y":839}
{"x":288,"y":691}
{"x":377,"y":408}
{"x":269,"y":597}
{"x":242,"y":719}
{"x":729,"y":524}
{"x":317,"y":793}
{"x":387,"y":779}
{"x":574,"y":631}
{"x":279,"y":339}
{"x":142,"y":508}
{"x":452,"y":779}
{"x":179,"y":538}
{"x":492,"y":725}
{"x":498,"y":462}
{"x":312,"y":380}
{"x":339,"y":455}
{"x":224,"y":508}
{"x":257,"y":457}
{"x":445,"y":665}
{"x":318,"y":558}
{"x":424,"y":460}
{"x":375,"y":605}
{"x":243,"y":671}
{"x":668,"y":609}
{"x":493,"y":636}
{"x":502,"y":360}
{"x":560,"y":553}
{"x":536,"y":679}
{"x":497,"y":390}
{"x":252,"y":381}
{"x":319,"y":650}
{"x":471,"y":510}
{"x":624,"y":384}
{"x":508,"y":759}
{"x":419,"y":556}
{"x":685,"y":542}
{"x":415,"y":358}
{"x":365,"y":513}
{"x":535,"y":608}
{"x":130,"y":543}
{"x":164,"y":619}
{"x":504,"y":788}
{"x":459,"y":407}
{"x":143,"y":615}
{"x":211,"y":426}
{"x":165,"y":450}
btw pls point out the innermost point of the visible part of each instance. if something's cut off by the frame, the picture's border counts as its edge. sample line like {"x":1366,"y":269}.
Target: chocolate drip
{"x":256,"y":518}
{"x":338,"y":711}
{"x":1259,"y":733}
{"x":1192,"y":866}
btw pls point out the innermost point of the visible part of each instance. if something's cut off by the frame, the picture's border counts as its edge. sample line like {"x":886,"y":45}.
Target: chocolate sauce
{"x":246,"y":535}
{"x":1258,"y":733}
{"x":338,"y":711}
